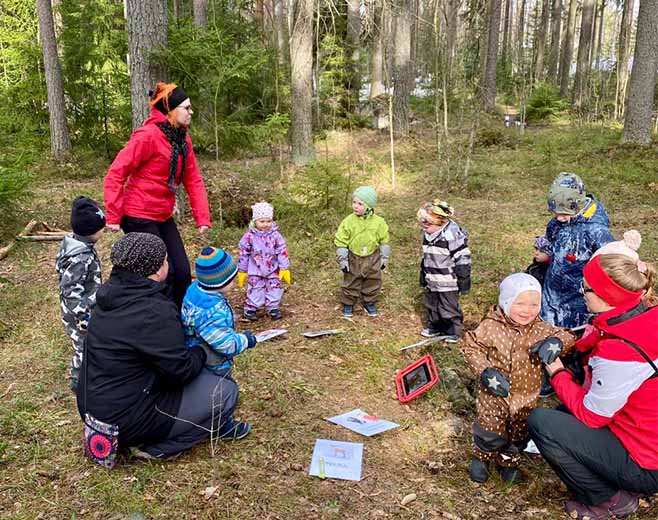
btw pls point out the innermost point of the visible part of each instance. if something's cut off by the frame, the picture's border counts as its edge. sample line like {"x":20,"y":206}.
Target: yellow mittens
{"x":284,"y":275}
{"x":241,"y":278}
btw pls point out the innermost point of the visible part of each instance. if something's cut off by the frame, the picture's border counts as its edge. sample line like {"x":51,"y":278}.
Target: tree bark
{"x":520,"y":35}
{"x":60,"y":144}
{"x":200,"y":12}
{"x":642,"y":86}
{"x":507,"y":24}
{"x":540,"y":44}
{"x":301,"y":62}
{"x":491,"y":57}
{"x":146,"y":23}
{"x":452,"y":25}
{"x":556,"y":30}
{"x":377,"y":51}
{"x":580,"y":87}
{"x":567,"y":49}
{"x":178,"y":9}
{"x":599,"y":43}
{"x":403,"y":80}
{"x":622,"y":60}
{"x":352,"y":54}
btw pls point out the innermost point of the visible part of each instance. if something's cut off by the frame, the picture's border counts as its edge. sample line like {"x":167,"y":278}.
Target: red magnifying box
{"x":416,"y":379}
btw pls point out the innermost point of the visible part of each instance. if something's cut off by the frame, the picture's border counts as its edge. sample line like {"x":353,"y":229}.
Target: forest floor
{"x":290,"y":385}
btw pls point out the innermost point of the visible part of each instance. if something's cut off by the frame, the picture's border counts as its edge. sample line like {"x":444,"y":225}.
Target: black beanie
{"x":176,"y":97}
{"x":86,"y":216}
{"x":139,"y":253}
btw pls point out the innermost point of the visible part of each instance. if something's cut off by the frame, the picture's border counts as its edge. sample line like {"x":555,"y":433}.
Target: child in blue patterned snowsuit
{"x":579,"y":227}
{"x":207,"y":315}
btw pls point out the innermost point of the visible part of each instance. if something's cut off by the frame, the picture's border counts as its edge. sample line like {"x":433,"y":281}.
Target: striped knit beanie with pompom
{"x":215,"y":268}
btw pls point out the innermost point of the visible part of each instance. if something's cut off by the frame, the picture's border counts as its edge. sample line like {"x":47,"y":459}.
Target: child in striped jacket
{"x":445,"y":270}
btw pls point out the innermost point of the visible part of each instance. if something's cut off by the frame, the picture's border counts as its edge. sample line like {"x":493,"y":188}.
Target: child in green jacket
{"x":363,"y":251}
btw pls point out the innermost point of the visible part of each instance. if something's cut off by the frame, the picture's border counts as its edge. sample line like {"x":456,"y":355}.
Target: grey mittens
{"x":341,"y":255}
{"x":548,"y":349}
{"x":385,"y":254}
{"x":495,"y":382}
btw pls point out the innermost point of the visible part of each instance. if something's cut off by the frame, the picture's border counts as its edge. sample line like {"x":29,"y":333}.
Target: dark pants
{"x":180,"y":277}
{"x":443,"y":312}
{"x":207,"y":404}
{"x":364,"y":279}
{"x":592,"y":462}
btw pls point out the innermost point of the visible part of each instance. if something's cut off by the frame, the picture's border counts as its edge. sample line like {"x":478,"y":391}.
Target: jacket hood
{"x":73,"y":245}
{"x":273,"y":229}
{"x":155,"y":117}
{"x":124,"y":287}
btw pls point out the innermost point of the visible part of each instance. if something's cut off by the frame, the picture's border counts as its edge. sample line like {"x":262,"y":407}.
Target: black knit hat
{"x":176,"y":97}
{"x":86,"y":216}
{"x":139,"y":253}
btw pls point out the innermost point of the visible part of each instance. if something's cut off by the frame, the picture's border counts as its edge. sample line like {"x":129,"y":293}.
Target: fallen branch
{"x":41,"y":238}
{"x":26,"y":230}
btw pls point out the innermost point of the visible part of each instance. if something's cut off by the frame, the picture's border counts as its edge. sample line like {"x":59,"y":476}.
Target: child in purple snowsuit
{"x":263,"y":263}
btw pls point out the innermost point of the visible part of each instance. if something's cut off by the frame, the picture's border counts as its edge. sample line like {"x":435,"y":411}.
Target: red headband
{"x":605,"y":287}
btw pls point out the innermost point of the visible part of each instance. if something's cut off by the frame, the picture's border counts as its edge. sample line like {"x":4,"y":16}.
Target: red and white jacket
{"x":619,"y":391}
{"x":136,"y":183}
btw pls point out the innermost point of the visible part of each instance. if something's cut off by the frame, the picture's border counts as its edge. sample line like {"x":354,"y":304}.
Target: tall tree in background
{"x":491,"y":57}
{"x":507,"y":29}
{"x":60,"y":144}
{"x":147,"y":30}
{"x":352,"y":54}
{"x":200,"y":12}
{"x":622,"y":59}
{"x":377,"y":35}
{"x":520,"y":36}
{"x":556,"y":29}
{"x":301,"y":64}
{"x":581,"y":81}
{"x":403,"y":77}
{"x":642,"y":86}
{"x":567,"y":48}
{"x":540,"y":41}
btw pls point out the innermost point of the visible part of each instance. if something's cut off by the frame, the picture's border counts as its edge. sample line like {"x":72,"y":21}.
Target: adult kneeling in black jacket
{"x":137,"y":372}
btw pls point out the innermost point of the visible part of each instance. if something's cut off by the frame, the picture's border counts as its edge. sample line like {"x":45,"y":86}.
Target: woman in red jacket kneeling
{"x":602,"y":442}
{"x":140,"y":186}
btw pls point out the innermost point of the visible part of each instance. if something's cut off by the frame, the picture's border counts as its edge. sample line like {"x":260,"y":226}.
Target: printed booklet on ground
{"x":336,"y":459}
{"x":360,"y":422}
{"x":269,"y":334}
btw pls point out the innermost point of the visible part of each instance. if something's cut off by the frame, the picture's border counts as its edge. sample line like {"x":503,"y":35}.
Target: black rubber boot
{"x":510,"y":475}
{"x":478,"y":471}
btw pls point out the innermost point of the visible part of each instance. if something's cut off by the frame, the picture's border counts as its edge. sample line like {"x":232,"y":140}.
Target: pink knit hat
{"x":262,"y":210}
{"x":627,"y":247}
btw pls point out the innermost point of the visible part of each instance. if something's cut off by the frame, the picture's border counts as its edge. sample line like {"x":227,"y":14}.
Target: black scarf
{"x":176,"y":137}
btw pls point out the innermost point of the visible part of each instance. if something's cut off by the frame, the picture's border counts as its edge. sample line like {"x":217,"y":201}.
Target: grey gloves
{"x":341,"y":255}
{"x":495,"y":382}
{"x":548,"y":349}
{"x":385,"y":253}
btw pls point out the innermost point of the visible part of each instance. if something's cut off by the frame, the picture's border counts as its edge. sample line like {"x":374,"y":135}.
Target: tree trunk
{"x":507,"y":23}
{"x":146,"y":23}
{"x":491,"y":58}
{"x":403,"y":79}
{"x":540,"y":44}
{"x":452,"y":21}
{"x":60,"y":143}
{"x":622,"y":60}
{"x":556,"y":29}
{"x":377,"y":51}
{"x":200,"y":12}
{"x":352,"y":48}
{"x":599,"y":43}
{"x":282,"y":34}
{"x":581,"y":81}
{"x":301,"y":62}
{"x":642,"y":86}
{"x":567,"y":49}
{"x":178,"y":9}
{"x":520,"y":35}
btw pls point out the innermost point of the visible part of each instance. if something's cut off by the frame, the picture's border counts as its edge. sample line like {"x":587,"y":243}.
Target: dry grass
{"x":288,"y":386}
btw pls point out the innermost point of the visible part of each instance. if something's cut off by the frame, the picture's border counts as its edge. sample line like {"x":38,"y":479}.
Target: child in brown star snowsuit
{"x":506,"y":351}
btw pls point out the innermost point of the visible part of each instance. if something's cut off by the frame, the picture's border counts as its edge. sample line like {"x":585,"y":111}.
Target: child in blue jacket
{"x":578,"y":228}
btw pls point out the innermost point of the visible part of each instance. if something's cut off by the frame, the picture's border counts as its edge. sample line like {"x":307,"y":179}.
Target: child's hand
{"x":495,"y":382}
{"x":242,"y":276}
{"x":284,"y":275}
{"x":251,"y":339}
{"x":548,"y":349}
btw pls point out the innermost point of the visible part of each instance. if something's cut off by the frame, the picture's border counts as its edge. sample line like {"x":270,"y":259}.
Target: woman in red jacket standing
{"x":140,"y":187}
{"x":602,"y":442}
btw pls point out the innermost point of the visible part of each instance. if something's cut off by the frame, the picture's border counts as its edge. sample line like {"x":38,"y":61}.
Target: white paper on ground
{"x":336,"y":459}
{"x":318,"y":333}
{"x":269,"y":334}
{"x":531,"y":448}
{"x":360,"y":422}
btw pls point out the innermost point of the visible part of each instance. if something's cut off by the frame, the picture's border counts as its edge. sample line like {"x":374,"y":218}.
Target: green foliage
{"x":491,"y":136}
{"x":545,"y":103}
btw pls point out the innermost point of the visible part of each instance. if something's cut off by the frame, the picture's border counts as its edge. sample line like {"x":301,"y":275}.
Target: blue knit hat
{"x":367,"y":195}
{"x":215,"y":268}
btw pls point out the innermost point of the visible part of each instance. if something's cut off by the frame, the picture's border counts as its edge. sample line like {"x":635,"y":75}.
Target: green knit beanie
{"x":367,"y":195}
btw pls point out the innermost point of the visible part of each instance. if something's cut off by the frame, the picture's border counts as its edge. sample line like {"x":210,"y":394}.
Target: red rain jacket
{"x":136,"y":183}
